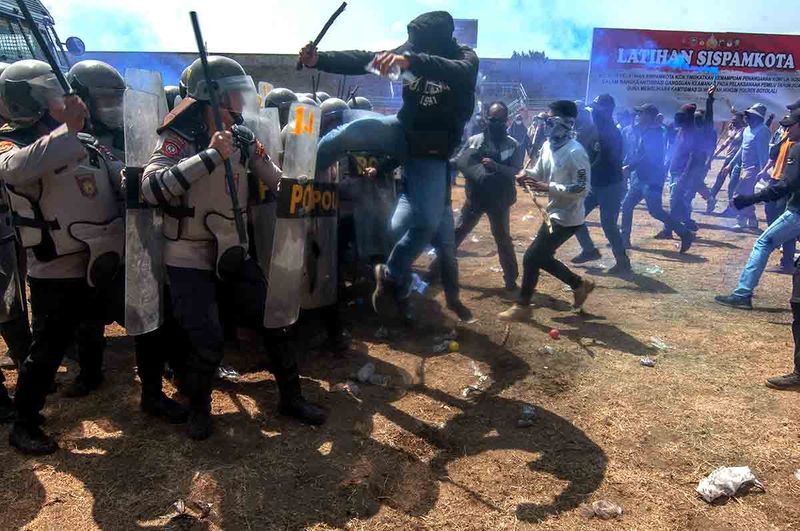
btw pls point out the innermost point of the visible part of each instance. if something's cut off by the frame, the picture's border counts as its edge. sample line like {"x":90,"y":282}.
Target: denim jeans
{"x":774,"y":209}
{"x":609,"y":199}
{"x":380,"y":135}
{"x":746,"y":186}
{"x":652,"y":197}
{"x":786,"y":227}
{"x":681,"y":195}
{"x":418,"y":216}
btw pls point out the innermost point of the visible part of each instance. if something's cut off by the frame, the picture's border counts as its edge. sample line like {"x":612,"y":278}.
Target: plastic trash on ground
{"x":417,"y":284}
{"x":603,"y":509}
{"x":528,"y":416}
{"x":366,"y":372}
{"x":647,"y":269}
{"x":228,"y":373}
{"x":495,"y":269}
{"x":725,"y":482}
{"x":647,"y":362}
{"x":348,"y":387}
{"x":658,"y":344}
{"x":474,"y":239}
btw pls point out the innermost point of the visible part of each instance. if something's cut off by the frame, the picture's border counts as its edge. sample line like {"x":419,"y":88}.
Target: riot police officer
{"x":64,"y":193}
{"x":281,"y":99}
{"x":186,"y":178}
{"x":360,"y":103}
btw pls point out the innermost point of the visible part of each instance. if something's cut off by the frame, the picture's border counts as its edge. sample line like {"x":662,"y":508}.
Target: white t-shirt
{"x":568,"y":172}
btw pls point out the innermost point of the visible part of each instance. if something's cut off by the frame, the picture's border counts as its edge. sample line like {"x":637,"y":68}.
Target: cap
{"x":792,"y":118}
{"x":688,"y":108}
{"x":647,"y":108}
{"x":793,"y":106}
{"x":759,"y":109}
{"x":604,"y":101}
{"x":565,"y":108}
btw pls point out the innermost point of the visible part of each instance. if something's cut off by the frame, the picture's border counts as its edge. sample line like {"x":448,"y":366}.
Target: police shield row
{"x":152,"y":243}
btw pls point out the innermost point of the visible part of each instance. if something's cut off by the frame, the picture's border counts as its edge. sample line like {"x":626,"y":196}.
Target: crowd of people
{"x":229,"y":263}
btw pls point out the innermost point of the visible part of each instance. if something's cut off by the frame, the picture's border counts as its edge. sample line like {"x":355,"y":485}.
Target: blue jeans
{"x":609,"y":199}
{"x":418,"y":217}
{"x":681,"y":194}
{"x":774,"y":209}
{"x":786,"y":227}
{"x":652,"y":197}
{"x":381,"y":135}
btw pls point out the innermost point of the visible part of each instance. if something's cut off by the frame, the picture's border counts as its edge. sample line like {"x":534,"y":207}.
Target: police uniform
{"x":203,"y":254}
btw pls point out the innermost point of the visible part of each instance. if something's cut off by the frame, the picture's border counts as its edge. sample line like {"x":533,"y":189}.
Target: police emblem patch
{"x":171,"y":149}
{"x":87,"y":185}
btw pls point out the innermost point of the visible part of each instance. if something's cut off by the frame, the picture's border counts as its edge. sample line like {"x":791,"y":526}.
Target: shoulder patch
{"x":172,"y":147}
{"x":6,"y":145}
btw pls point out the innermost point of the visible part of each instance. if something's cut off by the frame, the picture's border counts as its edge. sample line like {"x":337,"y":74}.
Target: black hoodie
{"x":440,"y":101}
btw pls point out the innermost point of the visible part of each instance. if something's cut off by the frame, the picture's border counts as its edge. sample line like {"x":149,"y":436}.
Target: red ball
{"x":555,"y":334}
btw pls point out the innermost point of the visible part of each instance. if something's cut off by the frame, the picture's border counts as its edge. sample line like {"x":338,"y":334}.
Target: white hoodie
{"x":568,"y":172}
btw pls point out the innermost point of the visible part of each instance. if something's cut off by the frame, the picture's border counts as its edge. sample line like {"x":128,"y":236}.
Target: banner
{"x":670,"y":68}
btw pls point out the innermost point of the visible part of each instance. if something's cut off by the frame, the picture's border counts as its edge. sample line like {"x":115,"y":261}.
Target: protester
{"x":792,"y":380}
{"x":689,"y":161}
{"x":563,"y":171}
{"x":645,"y":166}
{"x":786,"y":227}
{"x":519,"y":132}
{"x":730,"y":147}
{"x":607,"y":187}
{"x":489,"y":162}
{"x":752,"y":156}
{"x":434,"y":114}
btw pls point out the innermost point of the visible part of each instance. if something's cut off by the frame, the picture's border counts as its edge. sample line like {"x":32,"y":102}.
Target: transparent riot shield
{"x":144,"y":269}
{"x":296,"y":199}
{"x":12,"y":292}
{"x":148,"y":81}
{"x":320,"y":281}
{"x":266,"y":126}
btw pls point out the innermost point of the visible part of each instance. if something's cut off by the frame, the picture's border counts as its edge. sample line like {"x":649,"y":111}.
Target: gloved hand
{"x":743,"y":201}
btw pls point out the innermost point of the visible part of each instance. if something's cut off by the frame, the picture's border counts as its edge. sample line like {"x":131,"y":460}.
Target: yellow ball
{"x":453,"y":346}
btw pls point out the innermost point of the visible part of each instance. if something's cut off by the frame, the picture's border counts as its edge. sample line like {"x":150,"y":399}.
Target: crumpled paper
{"x":726,"y":482}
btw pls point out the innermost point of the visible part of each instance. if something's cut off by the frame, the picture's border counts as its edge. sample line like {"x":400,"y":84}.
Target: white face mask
{"x":559,"y":130}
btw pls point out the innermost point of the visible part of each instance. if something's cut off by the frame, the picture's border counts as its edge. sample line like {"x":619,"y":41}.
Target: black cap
{"x":647,"y":108}
{"x":793,"y":106}
{"x":565,"y":108}
{"x":791,"y":118}
{"x":605,"y":102}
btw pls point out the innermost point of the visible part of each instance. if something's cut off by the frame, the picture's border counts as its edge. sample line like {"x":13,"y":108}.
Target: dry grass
{"x":418,"y":455}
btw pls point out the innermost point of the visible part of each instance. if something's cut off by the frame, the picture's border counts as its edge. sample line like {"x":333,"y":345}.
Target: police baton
{"x":545,"y":219}
{"x":325,"y":29}
{"x":48,"y":53}
{"x":241,"y":230}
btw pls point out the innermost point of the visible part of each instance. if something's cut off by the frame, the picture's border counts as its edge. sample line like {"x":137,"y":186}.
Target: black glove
{"x":243,"y":138}
{"x":743,"y":201}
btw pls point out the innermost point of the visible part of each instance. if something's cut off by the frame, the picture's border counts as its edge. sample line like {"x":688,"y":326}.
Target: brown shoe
{"x":582,"y":292}
{"x":517,"y":312}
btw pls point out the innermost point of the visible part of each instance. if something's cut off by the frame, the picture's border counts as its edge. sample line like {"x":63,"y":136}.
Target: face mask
{"x":496,"y":129}
{"x":559,"y":130}
{"x":110,"y":116}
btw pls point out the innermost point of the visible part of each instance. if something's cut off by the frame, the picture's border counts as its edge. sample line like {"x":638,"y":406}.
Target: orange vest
{"x":780,"y":162}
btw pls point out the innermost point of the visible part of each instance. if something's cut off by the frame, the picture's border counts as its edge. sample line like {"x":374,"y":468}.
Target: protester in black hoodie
{"x":439,"y":79}
{"x":607,"y":186}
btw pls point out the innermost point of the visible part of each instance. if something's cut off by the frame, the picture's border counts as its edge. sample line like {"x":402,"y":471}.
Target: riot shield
{"x":148,"y":81}
{"x":374,"y":201}
{"x":12,"y":293}
{"x":266,"y":126}
{"x":144,"y":269}
{"x":320,"y":282}
{"x":296,"y":199}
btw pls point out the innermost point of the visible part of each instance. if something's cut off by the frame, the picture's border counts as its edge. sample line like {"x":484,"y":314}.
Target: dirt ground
{"x":418,"y":454}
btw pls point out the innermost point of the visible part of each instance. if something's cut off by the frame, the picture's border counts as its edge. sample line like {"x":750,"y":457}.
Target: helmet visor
{"x":45,"y":89}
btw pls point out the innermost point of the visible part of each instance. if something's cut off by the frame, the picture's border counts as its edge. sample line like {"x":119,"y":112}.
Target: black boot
{"x":155,"y":403}
{"x":200,"y":423}
{"x":28,"y":438}
{"x":291,"y":402}
{"x":82,"y":386}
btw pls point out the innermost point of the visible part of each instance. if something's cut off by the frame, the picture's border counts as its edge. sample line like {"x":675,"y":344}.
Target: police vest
{"x":73,"y":210}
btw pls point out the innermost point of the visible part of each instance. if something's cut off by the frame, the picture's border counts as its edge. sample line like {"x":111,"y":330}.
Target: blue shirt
{"x":755,"y":147}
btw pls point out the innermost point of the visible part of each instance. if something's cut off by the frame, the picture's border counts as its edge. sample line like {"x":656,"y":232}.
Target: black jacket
{"x":607,"y":162}
{"x":647,"y":155}
{"x":789,"y":184}
{"x":440,"y":101}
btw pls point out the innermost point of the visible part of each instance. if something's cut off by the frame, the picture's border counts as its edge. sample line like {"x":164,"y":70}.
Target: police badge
{"x":87,"y":185}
